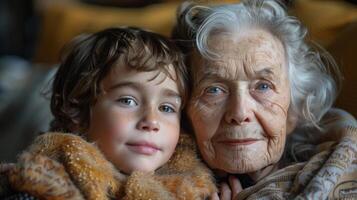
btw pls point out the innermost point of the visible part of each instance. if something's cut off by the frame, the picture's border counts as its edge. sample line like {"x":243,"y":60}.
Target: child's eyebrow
{"x":123,"y":84}
{"x":166,"y":92}
{"x":171,"y":93}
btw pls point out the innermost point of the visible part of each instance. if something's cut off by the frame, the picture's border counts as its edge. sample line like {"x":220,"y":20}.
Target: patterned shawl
{"x":330,"y":173}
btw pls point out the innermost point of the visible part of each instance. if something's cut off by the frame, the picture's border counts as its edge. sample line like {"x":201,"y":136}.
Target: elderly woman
{"x":261,"y":104}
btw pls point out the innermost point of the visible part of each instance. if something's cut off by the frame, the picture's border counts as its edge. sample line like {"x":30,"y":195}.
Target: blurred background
{"x":32,"y":33}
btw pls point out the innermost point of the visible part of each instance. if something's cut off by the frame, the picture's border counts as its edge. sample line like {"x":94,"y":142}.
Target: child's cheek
{"x":121,"y":126}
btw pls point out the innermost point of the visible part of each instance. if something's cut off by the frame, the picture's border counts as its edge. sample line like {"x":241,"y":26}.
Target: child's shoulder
{"x":56,"y":159}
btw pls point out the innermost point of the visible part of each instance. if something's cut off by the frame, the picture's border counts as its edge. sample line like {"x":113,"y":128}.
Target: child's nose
{"x":149,"y":123}
{"x":149,"y":126}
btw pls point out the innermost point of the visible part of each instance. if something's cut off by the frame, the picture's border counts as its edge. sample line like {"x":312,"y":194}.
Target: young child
{"x":122,"y":90}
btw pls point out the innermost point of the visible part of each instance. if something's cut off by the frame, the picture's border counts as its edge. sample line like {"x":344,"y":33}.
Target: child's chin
{"x":141,"y":168}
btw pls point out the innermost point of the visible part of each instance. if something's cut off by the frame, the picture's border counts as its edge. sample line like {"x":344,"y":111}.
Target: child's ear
{"x":83,"y":129}
{"x":77,"y":129}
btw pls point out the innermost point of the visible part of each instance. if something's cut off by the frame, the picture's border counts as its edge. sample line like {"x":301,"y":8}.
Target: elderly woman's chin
{"x":241,"y":159}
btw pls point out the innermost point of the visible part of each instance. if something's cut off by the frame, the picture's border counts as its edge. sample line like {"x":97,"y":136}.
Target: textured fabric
{"x":20,"y":196}
{"x":64,"y":166}
{"x":329,"y":174}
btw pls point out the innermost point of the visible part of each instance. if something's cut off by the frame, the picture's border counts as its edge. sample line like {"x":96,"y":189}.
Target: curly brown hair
{"x":90,"y":58}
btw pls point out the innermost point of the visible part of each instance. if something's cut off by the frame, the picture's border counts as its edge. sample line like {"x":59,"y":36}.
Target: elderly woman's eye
{"x":263,"y":86}
{"x":213,"y":90}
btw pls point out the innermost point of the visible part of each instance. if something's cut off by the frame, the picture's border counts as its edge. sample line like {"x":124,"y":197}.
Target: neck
{"x":247,"y":179}
{"x":260,"y":174}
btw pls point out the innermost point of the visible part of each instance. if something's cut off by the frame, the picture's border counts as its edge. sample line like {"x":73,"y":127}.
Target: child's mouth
{"x":145,"y":148}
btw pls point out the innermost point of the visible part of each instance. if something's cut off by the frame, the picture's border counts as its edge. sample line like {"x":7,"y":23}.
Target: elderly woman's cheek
{"x":212,"y":110}
{"x":207,"y":151}
{"x":204,"y":116}
{"x":273,"y":117}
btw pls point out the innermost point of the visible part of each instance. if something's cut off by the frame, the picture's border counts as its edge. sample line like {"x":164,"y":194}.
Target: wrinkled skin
{"x":240,"y":102}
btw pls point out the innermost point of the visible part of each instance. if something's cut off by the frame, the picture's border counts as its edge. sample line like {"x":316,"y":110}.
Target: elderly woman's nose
{"x":149,"y":121}
{"x":239,"y":110}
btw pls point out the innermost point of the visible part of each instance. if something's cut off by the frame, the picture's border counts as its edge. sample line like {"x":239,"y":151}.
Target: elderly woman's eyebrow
{"x":215,"y":74}
{"x":266,"y":73}
{"x":223,"y":75}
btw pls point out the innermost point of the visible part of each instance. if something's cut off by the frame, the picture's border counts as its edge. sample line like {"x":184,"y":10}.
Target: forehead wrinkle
{"x":264,"y":48}
{"x":261,"y":63}
{"x":248,"y":64}
{"x":214,"y":70}
{"x":244,"y":57}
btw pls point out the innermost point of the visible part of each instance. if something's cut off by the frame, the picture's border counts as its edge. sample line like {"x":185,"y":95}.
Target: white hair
{"x":313,"y":75}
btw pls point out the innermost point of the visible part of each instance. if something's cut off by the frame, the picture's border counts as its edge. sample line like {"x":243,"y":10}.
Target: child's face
{"x":136,"y":120}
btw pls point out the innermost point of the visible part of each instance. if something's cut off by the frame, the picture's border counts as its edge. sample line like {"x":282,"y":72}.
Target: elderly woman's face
{"x":240,"y":102}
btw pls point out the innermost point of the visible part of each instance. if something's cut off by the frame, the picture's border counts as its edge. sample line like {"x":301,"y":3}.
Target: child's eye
{"x":167,"y":109}
{"x":127,"y":101}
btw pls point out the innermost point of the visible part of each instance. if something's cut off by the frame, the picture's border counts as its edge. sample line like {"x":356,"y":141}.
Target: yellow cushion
{"x":324,"y":18}
{"x":66,"y":19}
{"x":333,"y":24}
{"x":344,"y":50}
{"x":63,"y":21}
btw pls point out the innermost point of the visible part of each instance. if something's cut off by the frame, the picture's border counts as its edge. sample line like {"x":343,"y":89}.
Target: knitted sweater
{"x":64,"y":166}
